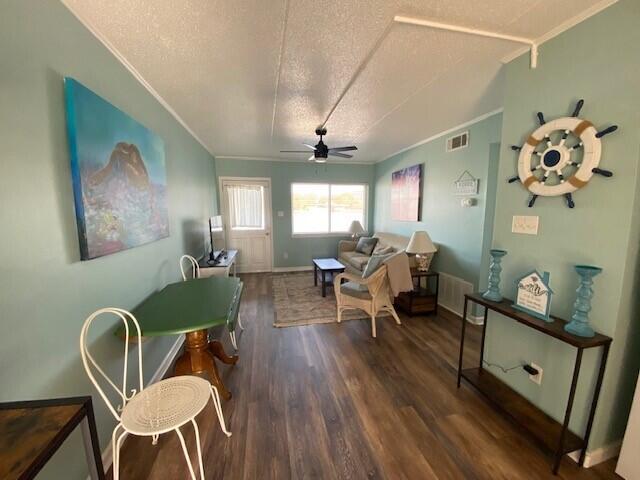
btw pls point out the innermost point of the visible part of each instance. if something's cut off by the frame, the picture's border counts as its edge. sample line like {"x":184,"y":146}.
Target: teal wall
{"x":46,"y":292}
{"x":597,"y":60}
{"x":457,"y":231}
{"x":282,"y":174}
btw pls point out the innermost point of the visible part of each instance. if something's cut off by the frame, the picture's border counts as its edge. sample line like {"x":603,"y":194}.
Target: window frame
{"x":329,"y":233}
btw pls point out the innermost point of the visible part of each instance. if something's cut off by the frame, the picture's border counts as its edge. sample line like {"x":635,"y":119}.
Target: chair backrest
{"x":90,"y":365}
{"x":378,"y":280}
{"x":195,"y":268}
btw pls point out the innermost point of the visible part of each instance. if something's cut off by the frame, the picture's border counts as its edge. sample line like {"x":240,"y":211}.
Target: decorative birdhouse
{"x":534,"y":295}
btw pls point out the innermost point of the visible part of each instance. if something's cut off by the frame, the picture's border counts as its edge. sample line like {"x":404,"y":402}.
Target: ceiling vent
{"x":457,"y":142}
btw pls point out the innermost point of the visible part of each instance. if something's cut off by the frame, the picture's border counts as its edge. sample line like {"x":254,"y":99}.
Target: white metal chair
{"x":195,"y":273}
{"x":195,"y":268}
{"x":162,"y":407}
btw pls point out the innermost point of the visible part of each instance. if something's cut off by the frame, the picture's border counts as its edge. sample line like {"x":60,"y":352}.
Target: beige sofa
{"x":355,"y":261}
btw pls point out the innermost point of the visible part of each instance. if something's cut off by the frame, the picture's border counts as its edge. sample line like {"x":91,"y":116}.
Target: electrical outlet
{"x":285,"y":255}
{"x":525,"y":224}
{"x":536,"y":378}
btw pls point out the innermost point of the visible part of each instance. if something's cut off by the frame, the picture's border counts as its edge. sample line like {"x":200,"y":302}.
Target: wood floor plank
{"x":328,"y":401}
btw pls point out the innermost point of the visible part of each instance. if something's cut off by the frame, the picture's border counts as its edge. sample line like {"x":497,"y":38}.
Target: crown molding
{"x":445,"y":132}
{"x":563,"y":27}
{"x":137,"y":75}
{"x":291,"y":160}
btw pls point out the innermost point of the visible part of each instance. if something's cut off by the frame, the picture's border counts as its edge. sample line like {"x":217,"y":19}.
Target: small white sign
{"x":534,"y":295}
{"x":467,"y":187}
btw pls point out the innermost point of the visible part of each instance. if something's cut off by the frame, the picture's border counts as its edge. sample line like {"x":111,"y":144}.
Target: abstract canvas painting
{"x":118,"y":174}
{"x":406,"y":194}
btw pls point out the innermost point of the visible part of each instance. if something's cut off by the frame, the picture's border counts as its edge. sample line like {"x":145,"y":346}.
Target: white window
{"x":320,"y":208}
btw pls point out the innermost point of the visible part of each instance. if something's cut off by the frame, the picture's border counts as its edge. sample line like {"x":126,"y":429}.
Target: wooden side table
{"x":423,"y":299}
{"x":225,"y":266}
{"x":32,"y":431}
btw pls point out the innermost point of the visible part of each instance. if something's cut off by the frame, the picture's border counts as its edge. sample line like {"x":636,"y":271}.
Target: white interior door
{"x":246,"y":207}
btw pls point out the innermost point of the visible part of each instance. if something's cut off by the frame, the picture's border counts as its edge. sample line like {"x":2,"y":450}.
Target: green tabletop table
{"x":191,"y":308}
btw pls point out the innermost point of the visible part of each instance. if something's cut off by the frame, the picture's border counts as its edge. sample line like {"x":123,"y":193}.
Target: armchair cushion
{"x":366,"y":245}
{"x":357,"y":290}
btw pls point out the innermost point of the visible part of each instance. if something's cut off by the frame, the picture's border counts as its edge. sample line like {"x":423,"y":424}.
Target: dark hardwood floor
{"x":330,"y":402}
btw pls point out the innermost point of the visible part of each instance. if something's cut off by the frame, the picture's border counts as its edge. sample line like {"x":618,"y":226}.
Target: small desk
{"x":422,"y":299}
{"x":224,"y":266}
{"x":552,"y":435}
{"x":324,"y":266}
{"x":191,"y":308}
{"x":32,"y":431}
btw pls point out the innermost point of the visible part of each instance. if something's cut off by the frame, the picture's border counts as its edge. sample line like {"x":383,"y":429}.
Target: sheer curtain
{"x":246,"y":206}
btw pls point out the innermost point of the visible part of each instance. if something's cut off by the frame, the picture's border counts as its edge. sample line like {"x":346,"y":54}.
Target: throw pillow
{"x":366,"y":245}
{"x":382,"y":249}
{"x":374,"y":263}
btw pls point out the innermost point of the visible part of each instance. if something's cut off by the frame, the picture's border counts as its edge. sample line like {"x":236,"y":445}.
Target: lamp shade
{"x":421,"y":243}
{"x":356,"y":228}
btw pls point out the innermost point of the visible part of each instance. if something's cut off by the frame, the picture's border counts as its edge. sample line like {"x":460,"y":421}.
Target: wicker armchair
{"x":370,"y":294}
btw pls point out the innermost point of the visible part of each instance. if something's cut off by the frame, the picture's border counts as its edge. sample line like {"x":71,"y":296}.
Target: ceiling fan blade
{"x":343,"y":149}
{"x":312,"y":158}
{"x":309,"y":146}
{"x":343,"y":155}
{"x":294,"y":151}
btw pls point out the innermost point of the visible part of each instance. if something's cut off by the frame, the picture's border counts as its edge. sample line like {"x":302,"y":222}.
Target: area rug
{"x":298,"y":302}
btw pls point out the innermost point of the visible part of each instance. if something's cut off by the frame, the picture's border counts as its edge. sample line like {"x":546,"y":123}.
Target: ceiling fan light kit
{"x":321,"y":151}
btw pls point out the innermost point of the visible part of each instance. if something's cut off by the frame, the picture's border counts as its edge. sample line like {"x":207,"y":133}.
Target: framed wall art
{"x":406,"y":194}
{"x":118,"y":174}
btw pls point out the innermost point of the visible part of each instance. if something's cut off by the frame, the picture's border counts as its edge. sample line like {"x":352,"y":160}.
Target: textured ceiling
{"x":252,"y":77}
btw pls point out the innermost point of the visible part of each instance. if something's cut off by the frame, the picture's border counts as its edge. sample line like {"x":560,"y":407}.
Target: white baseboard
{"x":599,"y":455}
{"x":306,"y":268}
{"x":161,"y":371}
{"x":475,"y":319}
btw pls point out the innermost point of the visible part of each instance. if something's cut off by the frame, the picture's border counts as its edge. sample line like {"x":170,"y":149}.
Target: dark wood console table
{"x":552,"y":435}
{"x":32,"y":431}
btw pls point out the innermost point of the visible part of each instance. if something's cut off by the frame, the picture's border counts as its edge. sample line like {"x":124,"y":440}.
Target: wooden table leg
{"x":218,"y":351}
{"x":324,"y":284}
{"x":199,"y":358}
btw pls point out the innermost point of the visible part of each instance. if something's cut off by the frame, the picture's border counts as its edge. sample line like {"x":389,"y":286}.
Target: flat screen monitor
{"x":216,"y":238}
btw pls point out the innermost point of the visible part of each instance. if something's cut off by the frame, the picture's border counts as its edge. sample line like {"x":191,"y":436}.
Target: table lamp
{"x":422,"y":246}
{"x":356,"y":229}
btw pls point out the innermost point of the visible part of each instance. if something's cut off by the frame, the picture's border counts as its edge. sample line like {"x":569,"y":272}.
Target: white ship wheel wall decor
{"x":567,"y":149}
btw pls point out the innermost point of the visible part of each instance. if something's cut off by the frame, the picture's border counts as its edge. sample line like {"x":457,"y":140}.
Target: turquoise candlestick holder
{"x":493,"y":292}
{"x":579,"y":324}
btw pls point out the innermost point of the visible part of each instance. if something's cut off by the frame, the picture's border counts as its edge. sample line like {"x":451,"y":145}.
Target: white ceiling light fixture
{"x":422,"y":22}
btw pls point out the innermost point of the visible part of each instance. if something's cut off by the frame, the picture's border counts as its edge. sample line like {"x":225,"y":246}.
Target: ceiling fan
{"x":321,"y":151}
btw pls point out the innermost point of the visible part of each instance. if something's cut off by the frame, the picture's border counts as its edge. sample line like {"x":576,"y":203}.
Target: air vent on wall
{"x":457,"y":142}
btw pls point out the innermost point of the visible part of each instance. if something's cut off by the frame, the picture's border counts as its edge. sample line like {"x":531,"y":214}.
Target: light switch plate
{"x":527,"y":225}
